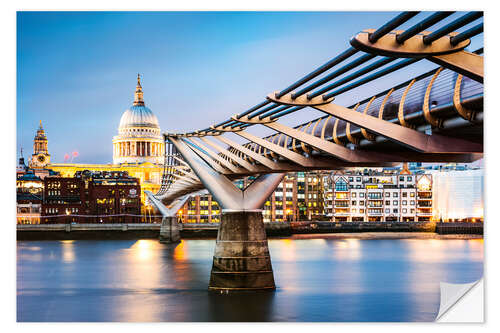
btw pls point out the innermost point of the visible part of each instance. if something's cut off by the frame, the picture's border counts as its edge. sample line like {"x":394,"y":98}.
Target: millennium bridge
{"x":436,"y":116}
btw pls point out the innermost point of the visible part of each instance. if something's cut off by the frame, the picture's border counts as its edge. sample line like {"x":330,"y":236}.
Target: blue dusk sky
{"x":76,"y":71}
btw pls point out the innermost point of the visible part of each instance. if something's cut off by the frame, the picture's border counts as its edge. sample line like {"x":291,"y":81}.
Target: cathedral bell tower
{"x":41,"y":156}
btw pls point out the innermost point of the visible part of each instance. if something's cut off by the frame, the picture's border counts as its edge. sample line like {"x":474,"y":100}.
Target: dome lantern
{"x":138,"y":100}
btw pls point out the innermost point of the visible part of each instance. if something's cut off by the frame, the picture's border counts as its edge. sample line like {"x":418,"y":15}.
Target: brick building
{"x":92,"y":197}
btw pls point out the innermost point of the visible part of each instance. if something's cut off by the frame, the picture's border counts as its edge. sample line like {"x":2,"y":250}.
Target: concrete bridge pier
{"x":170,"y":227}
{"x":241,"y":259}
{"x":170,"y":230}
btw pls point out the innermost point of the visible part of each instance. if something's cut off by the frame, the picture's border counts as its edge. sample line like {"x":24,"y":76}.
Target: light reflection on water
{"x":317,"y":279}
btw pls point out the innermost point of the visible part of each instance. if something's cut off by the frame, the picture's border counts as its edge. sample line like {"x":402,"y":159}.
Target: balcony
{"x":341,"y":214}
{"x":424,"y":213}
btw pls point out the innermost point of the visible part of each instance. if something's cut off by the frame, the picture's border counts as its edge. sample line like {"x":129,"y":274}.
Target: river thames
{"x":321,"y":279}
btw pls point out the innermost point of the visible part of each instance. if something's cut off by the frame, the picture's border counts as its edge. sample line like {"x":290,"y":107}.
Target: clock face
{"x":41,"y":158}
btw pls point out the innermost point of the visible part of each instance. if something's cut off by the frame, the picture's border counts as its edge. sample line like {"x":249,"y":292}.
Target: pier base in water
{"x":170,"y":230}
{"x":241,"y":260}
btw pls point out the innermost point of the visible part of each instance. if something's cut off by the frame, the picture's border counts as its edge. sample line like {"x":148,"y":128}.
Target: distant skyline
{"x":76,"y":71}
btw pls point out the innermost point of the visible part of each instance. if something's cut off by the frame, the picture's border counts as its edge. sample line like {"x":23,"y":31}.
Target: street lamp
{"x":179,"y":214}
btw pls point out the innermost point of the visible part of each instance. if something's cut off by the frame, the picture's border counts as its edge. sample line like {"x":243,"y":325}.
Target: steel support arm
{"x":403,"y":135}
{"x":334,"y":149}
{"x":230,"y":155}
{"x":216,"y":157}
{"x":463,"y":62}
{"x":257,"y":157}
{"x":284,"y":152}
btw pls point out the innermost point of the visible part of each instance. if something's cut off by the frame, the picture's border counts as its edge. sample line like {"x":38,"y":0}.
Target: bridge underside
{"x":436,"y":116}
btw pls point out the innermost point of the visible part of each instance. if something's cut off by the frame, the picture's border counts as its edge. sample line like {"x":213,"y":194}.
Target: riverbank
{"x":386,"y":235}
{"x":362,"y":230}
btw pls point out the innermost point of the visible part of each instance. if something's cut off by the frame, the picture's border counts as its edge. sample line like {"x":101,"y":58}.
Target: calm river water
{"x":317,"y":280}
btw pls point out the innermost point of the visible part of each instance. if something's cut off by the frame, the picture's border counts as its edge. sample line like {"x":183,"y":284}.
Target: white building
{"x":458,"y":195}
{"x":355,"y":196}
{"x":139,"y":138}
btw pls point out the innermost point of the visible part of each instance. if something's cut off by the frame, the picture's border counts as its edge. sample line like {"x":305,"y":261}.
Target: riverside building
{"x":377,"y":196}
{"x":299,"y":197}
{"x":458,"y":195}
{"x":91,"y":197}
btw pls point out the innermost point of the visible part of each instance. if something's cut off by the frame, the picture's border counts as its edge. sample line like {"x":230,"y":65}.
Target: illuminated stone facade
{"x":41,"y":156}
{"x":137,"y":149}
{"x":139,"y":138}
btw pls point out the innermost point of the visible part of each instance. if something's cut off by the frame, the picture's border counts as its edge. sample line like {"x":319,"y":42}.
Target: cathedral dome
{"x":138,"y":116}
{"x":139,"y":138}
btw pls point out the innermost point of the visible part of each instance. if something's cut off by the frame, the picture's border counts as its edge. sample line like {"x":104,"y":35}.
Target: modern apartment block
{"x":458,"y":195}
{"x":299,"y":197}
{"x":376,"y":196}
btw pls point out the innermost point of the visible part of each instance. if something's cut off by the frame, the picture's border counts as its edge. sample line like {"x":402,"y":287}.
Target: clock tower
{"x":41,"y":156}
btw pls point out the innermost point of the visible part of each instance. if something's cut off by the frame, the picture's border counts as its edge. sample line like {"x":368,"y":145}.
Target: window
{"x":387,"y":194}
{"x":404,"y":202}
{"x":353,"y":195}
{"x":395,"y":210}
{"x":387,"y":210}
{"x":361,"y":211}
{"x":388,"y":202}
{"x":412,"y":202}
{"x":409,"y":179}
{"x":395,"y":202}
{"x":404,"y":194}
{"x":358,"y":179}
{"x":395,"y":194}
{"x":412,"y":211}
{"x":361,"y":195}
{"x":353,"y":210}
{"x":362,"y":203}
{"x":375,"y":195}
{"x":402,"y":179}
{"x":404,"y":210}
{"x":412,"y":194}
{"x":354,"y":202}
{"x":341,"y":185}
{"x":351,"y":179}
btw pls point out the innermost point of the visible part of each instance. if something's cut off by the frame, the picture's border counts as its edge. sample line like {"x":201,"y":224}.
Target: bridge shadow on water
{"x":250,"y":306}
